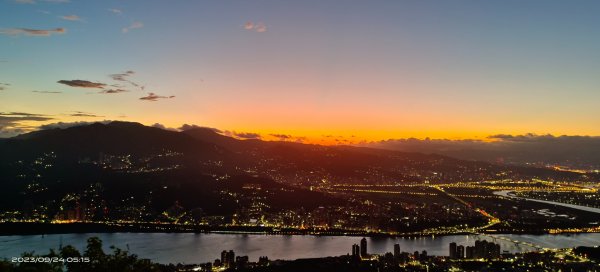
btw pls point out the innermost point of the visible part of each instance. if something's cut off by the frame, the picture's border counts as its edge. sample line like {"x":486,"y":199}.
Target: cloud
{"x":57,"y":1}
{"x":116,"y":11}
{"x":84,"y":114}
{"x":158,"y":125}
{"x":247,"y":135}
{"x":7,"y":132}
{"x":281,"y":136}
{"x":260,"y":27}
{"x":161,"y":126}
{"x":529,"y":137}
{"x":185,"y":127}
{"x":3,"y":86}
{"x":256,"y":27}
{"x":23,"y":116}
{"x":82,"y":83}
{"x":155,"y":97}
{"x":63,"y":125}
{"x":577,"y":151}
{"x":71,"y":18}
{"x":124,"y":77}
{"x":113,"y":91}
{"x":46,"y":92}
{"x":134,"y":25}
{"x":112,"y":88}
{"x":25,"y":1}
{"x":11,"y":123}
{"x":32,"y":32}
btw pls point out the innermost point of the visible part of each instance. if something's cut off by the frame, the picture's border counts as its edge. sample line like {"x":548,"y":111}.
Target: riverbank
{"x":23,"y":228}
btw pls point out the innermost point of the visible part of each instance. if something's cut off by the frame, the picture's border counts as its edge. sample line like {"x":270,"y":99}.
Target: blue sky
{"x":376,"y":69}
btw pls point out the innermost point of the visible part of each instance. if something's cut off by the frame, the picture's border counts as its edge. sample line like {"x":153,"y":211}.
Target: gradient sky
{"x":369,"y":69}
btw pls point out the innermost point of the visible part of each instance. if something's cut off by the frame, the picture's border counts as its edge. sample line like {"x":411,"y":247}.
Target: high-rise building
{"x":241,"y":261}
{"x":231,"y":258}
{"x":363,"y":247}
{"x":460,"y":252}
{"x":223,"y":257}
{"x":397,"y":251}
{"x":452,"y":250}
{"x":227,"y":258}
{"x":470,"y":252}
{"x":481,"y":249}
{"x":355,"y":250}
{"x":496,"y":251}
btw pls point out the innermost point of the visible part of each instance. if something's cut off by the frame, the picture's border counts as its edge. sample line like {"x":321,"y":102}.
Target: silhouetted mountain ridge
{"x":287,"y":160}
{"x":116,"y":138}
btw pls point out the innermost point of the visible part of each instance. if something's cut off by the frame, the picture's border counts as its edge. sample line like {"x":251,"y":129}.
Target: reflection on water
{"x":197,"y":248}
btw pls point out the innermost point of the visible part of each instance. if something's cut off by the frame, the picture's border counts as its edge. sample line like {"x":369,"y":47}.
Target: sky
{"x":316,"y":71}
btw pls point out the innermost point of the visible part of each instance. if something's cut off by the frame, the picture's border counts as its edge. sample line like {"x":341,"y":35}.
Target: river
{"x":197,"y":248}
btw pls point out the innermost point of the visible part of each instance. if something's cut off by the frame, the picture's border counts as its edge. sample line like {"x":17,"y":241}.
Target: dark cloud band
{"x":78,"y":83}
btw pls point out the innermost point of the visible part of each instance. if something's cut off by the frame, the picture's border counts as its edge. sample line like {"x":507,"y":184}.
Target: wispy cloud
{"x":113,"y":91}
{"x":32,"y":32}
{"x":185,"y":127}
{"x":105,"y":88}
{"x":71,"y":18}
{"x":256,"y":27}
{"x":242,"y":135}
{"x":84,"y":114}
{"x":282,"y":137}
{"x":124,"y":77}
{"x":247,"y":135}
{"x":81,"y":83}
{"x":526,"y":148}
{"x":57,"y":1}
{"x":12,"y":123}
{"x":134,"y":25}
{"x":25,"y":1}
{"x":155,"y":97}
{"x":46,"y":92}
{"x":161,"y":126}
{"x":249,"y":25}
{"x":3,"y":86}
{"x":260,"y":27}
{"x":116,"y":11}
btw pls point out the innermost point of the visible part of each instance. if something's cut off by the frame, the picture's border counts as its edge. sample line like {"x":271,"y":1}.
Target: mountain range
{"x":201,"y":168}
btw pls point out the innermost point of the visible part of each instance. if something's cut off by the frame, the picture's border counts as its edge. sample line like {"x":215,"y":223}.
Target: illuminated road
{"x":491,"y":219}
{"x":506,"y":193}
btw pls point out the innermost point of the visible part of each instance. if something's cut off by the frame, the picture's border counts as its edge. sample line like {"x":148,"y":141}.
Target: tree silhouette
{"x":118,"y":261}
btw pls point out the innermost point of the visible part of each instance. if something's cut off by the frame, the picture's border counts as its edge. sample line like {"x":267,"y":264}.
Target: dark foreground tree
{"x":94,"y":259}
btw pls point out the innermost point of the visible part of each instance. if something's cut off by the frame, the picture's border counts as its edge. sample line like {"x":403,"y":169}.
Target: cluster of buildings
{"x":360,"y":250}
{"x":228,"y":260}
{"x":481,"y":250}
